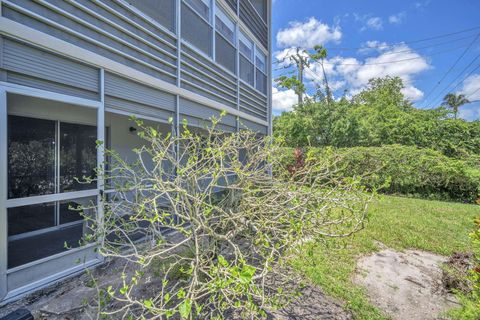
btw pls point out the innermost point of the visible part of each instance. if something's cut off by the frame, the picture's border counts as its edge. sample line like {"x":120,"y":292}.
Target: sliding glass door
{"x":47,"y":157}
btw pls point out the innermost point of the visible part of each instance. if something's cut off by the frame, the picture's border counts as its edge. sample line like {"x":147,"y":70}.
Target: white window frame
{"x":228,"y":21}
{"x":5,"y":203}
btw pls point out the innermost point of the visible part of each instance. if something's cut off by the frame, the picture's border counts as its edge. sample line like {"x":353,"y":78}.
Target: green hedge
{"x":405,"y":170}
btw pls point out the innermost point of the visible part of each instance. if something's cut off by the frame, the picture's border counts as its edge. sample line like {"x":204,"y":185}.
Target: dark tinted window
{"x":225,"y":53}
{"x":261,"y":7}
{"x":78,"y":156}
{"x":30,"y":218}
{"x":246,"y":70}
{"x":196,"y":31}
{"x":163,"y":11}
{"x":31,"y":157}
{"x":261,"y":82}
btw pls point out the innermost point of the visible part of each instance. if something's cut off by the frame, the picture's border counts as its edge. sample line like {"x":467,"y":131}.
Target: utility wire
{"x":410,"y":42}
{"x":450,"y":69}
{"x":458,"y":76}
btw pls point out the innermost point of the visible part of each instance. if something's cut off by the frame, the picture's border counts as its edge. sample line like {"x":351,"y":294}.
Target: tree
{"x":302,"y":60}
{"x":235,"y":224}
{"x":454,"y":102}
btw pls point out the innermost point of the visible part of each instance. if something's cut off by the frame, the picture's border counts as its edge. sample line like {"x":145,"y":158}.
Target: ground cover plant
{"x":398,"y":223}
{"x":237,"y":213}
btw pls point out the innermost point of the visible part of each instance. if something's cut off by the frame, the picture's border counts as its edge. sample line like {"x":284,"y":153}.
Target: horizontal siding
{"x":254,"y":22}
{"x":136,"y":98}
{"x":199,"y":115}
{"x":97,"y":26}
{"x":206,"y":78}
{"x":30,"y":66}
{"x":126,"y":89}
{"x":118,"y":105}
{"x":252,"y":102}
{"x":249,"y":125}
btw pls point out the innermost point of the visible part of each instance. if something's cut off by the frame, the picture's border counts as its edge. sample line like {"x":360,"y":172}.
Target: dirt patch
{"x":405,"y":285}
{"x":456,"y":270}
{"x":73,"y":299}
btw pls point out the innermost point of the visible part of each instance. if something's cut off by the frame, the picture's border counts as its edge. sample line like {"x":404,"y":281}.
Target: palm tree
{"x":454,"y":102}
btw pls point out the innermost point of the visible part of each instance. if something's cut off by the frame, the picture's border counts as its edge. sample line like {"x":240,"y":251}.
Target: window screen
{"x":163,"y":11}
{"x":225,"y":26}
{"x":261,"y":83}
{"x":31,"y":157}
{"x":246,"y":70}
{"x":196,"y":31}
{"x":202,"y":7}
{"x":261,"y":61}
{"x":225,"y":53}
{"x":261,"y":7}
{"x":246,"y":46}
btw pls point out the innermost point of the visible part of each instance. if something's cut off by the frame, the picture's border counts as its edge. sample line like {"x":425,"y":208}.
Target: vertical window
{"x":225,"y":51}
{"x":261,"y":71}
{"x":31,"y":157}
{"x":246,"y":59}
{"x":78,"y":156}
{"x":202,"y":7}
{"x":45,"y":157}
{"x":196,"y":25}
{"x":261,"y":7}
{"x":162,"y":11}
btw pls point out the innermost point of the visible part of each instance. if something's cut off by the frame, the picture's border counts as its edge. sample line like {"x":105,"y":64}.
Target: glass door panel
{"x":30,"y":218}
{"x":31,"y":157}
{"x":78,"y":156}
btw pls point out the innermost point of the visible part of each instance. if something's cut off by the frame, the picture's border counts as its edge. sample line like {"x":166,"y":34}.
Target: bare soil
{"x":405,"y":285}
{"x":73,"y":299}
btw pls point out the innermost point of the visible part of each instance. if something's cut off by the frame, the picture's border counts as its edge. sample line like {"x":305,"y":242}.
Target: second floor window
{"x":261,"y":7}
{"x":246,"y":49}
{"x":162,"y":11}
{"x":202,"y":7}
{"x":261,"y":72}
{"x":196,"y":27}
{"x":225,"y":51}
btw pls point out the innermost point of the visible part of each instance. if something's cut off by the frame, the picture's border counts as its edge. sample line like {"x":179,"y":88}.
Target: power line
{"x":451,"y":68}
{"x":410,"y":42}
{"x":458,"y":76}
{"x":472,"y":94}
{"x":379,"y":63}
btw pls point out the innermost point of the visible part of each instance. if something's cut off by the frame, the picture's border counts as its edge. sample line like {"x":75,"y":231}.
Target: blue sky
{"x":371,"y":38}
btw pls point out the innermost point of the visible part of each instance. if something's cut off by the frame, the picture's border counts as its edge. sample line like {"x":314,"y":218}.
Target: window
{"x":202,"y":7}
{"x":246,"y":46}
{"x":246,"y":59}
{"x":78,"y":156}
{"x":225,"y":26}
{"x":261,"y":7}
{"x":225,"y":51}
{"x":196,"y":28}
{"x":45,"y":157}
{"x":261,"y":72}
{"x":163,"y":11}
{"x":31,"y":157}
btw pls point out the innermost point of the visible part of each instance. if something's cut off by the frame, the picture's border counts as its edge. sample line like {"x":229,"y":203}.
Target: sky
{"x":433,"y":45}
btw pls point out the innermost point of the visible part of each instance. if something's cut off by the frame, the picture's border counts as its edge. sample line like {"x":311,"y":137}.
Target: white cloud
{"x":374,"y":23}
{"x":374,"y":45}
{"x":308,"y":34}
{"x":354,"y":74}
{"x":283,"y":100}
{"x":397,"y":18}
{"x":471,"y":87}
{"x":369,"y":22}
{"x":469,"y":112}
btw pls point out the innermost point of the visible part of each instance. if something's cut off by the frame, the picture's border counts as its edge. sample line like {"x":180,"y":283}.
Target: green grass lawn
{"x":398,"y":223}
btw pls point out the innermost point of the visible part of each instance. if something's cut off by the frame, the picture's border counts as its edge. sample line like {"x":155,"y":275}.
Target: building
{"x":73,"y":71}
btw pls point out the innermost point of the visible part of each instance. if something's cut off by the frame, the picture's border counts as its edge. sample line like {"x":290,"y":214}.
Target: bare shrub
{"x":209,"y":221}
